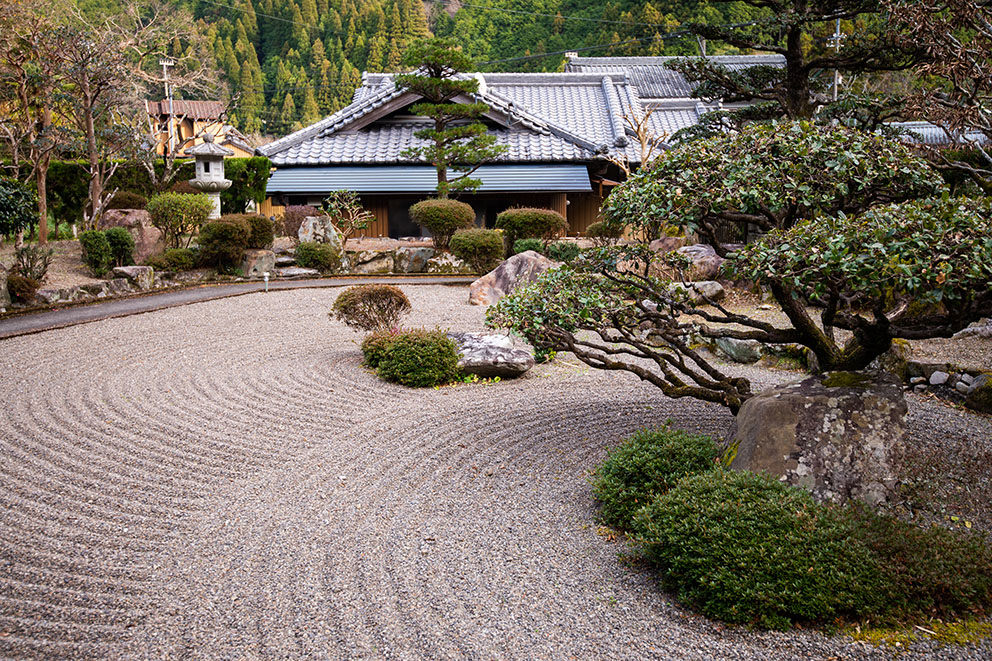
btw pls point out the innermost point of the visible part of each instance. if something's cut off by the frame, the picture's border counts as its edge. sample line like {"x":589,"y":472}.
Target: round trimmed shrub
{"x":647,"y":464}
{"x":523,"y":245}
{"x":562,"y":251}
{"x":419,"y":359}
{"x":127,"y":200}
{"x":530,"y":223}
{"x":321,"y":256}
{"x":603,"y":234}
{"x":442,"y":218}
{"x":371,"y":307}
{"x":293,"y":217}
{"x":480,"y":249}
{"x":223,"y":242}
{"x":22,"y":289}
{"x":375,"y":344}
{"x":174,"y":259}
{"x":261,"y":233}
{"x":96,"y":251}
{"x":121,"y":246}
{"x":747,"y":549}
{"x":179,"y":214}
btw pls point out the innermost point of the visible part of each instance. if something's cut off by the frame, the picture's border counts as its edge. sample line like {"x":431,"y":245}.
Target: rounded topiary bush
{"x":371,"y":307}
{"x":603,"y":234}
{"x":127,"y":200}
{"x":321,"y":256}
{"x":261,"y":233}
{"x":442,"y":218}
{"x":375,"y":344}
{"x":420,"y":359}
{"x":223,"y":242}
{"x":179,"y":215}
{"x":96,"y":251}
{"x":562,"y":251}
{"x":121,"y":246}
{"x":523,"y":245}
{"x":480,"y":249}
{"x":530,"y":223}
{"x":647,"y":464}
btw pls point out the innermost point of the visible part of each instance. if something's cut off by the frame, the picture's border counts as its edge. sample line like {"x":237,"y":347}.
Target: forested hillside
{"x":294,"y":61}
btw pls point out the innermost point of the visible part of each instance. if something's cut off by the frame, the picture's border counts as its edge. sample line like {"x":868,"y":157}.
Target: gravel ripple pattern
{"x":224,"y":480}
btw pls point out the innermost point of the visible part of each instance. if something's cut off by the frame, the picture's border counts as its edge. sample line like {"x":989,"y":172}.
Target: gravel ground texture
{"x":224,"y":480}
{"x":67,"y":268}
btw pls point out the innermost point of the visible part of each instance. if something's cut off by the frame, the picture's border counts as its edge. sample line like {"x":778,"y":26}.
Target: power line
{"x":258,"y":13}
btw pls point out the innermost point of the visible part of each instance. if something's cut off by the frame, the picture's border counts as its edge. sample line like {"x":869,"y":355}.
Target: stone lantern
{"x":210,"y":170}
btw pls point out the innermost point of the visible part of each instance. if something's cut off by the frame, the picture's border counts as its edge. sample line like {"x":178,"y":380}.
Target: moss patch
{"x":846,"y":380}
{"x":967,"y":632}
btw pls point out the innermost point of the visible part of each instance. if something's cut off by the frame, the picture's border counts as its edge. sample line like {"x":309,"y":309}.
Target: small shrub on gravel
{"x":96,"y":251}
{"x":293,"y":217}
{"x":33,"y":261}
{"x":530,"y":223}
{"x":523,"y":245}
{"x":127,"y":200}
{"x":481,"y":249}
{"x":223,"y":242}
{"x":21,"y":288}
{"x":603,"y":234}
{"x":745,"y":548}
{"x":321,"y":256}
{"x":121,"y":246}
{"x":420,"y":359}
{"x":371,"y":307}
{"x":375,"y":344}
{"x":442,"y":218}
{"x":562,"y":251}
{"x":647,"y":464}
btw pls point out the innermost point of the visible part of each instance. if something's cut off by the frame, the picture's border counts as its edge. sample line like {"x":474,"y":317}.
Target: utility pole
{"x":836,"y":46}
{"x":702,"y":45}
{"x":167,"y":62}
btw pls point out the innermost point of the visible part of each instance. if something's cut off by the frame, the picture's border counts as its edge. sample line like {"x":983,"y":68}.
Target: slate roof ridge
{"x":606,"y":61}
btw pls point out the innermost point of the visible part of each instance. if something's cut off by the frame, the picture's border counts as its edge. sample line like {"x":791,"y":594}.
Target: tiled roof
{"x":925,"y":133}
{"x":653,"y":79}
{"x":190,"y":109}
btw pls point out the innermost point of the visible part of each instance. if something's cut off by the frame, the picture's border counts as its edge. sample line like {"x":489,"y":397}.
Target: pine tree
{"x":310,"y":113}
{"x":287,"y":116}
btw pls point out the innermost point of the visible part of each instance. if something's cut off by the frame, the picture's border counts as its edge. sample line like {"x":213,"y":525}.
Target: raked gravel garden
{"x":226,"y":480}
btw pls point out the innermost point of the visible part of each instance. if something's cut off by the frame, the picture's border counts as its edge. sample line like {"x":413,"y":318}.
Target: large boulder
{"x":141,"y":278}
{"x":4,"y":293}
{"x":369,"y":261}
{"x":838,"y":435}
{"x":446,"y":263}
{"x":699,"y":292}
{"x":487,"y":355}
{"x":979,"y":394}
{"x":320,"y":229}
{"x":411,"y":260}
{"x":667,"y":244}
{"x":705,"y":262}
{"x":256,"y":262}
{"x":739,"y":351}
{"x":148,"y":239}
{"x":521,"y":269}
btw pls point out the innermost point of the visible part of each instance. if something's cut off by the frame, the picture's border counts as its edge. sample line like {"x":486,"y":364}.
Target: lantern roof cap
{"x":209,"y":148}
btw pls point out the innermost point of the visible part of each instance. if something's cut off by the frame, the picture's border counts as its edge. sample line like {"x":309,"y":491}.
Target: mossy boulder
{"x":979,"y":397}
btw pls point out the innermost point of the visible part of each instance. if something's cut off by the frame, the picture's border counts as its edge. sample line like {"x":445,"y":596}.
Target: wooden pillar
{"x":559,"y":202}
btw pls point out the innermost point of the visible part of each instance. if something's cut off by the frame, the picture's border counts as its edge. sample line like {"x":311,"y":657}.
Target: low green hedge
{"x":321,"y":256}
{"x":480,"y":249}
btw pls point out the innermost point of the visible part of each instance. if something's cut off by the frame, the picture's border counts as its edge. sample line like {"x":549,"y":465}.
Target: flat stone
{"x":411,"y":260}
{"x":488,"y":355}
{"x":939,"y":378}
{"x":523,"y":268}
{"x":368,"y":261}
{"x":917,"y":380}
{"x":962,"y":387}
{"x":297,"y":272}
{"x":739,"y":351}
{"x":285,"y":260}
{"x":446,"y":263}
{"x":965,"y":378}
{"x":142,"y":277}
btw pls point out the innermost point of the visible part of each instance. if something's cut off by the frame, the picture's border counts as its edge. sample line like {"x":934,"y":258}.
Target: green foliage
{"x":121,"y":246}
{"x":530,"y":223}
{"x":293,"y":217}
{"x":645,"y":465}
{"x":96,"y":251}
{"x":375,"y":344}
{"x":33,"y":261}
{"x":371,"y":307}
{"x":420,"y":359}
{"x":322,"y":256}
{"x":562,"y":251}
{"x":523,"y":245}
{"x":932,"y":251}
{"x":604,"y":234}
{"x":178,"y":215}
{"x":480,"y":249}
{"x":174,"y":259}
{"x":442,"y":218}
{"x":127,"y":200}
{"x":261,"y":233}
{"x":747,"y":549}
{"x":248,"y":176}
{"x":347,"y":213}
{"x":18,"y":206}
{"x":223,"y":242}
{"x":22,"y":289}
{"x":771,"y":176}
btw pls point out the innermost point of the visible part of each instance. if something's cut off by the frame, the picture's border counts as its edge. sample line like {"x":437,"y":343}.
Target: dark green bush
{"x":174,"y":259}
{"x":18,"y":206}
{"x":480,"y":249}
{"x":747,"y":549}
{"x":21,"y":289}
{"x":371,"y":307}
{"x":603,"y":234}
{"x":127,"y":200}
{"x":178,"y":215}
{"x":442,"y":218}
{"x":420,"y":359}
{"x":530,"y":223}
{"x":96,"y":251}
{"x":322,"y":256}
{"x":121,"y":246}
{"x":33,"y":261}
{"x":523,"y":245}
{"x":375,"y":344}
{"x":562,"y":251}
{"x":293,"y":217}
{"x":223,"y":242}
{"x":260,"y":230}
{"x":647,"y":464}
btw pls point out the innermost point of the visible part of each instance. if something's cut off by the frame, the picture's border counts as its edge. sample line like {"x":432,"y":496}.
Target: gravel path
{"x":224,"y":480}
